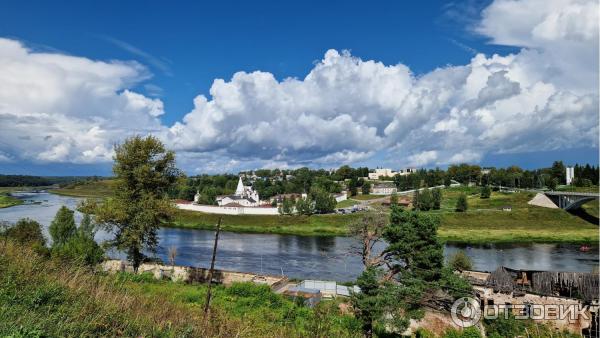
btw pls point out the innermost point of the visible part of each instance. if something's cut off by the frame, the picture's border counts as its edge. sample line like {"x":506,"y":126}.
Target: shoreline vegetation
{"x":483,"y":223}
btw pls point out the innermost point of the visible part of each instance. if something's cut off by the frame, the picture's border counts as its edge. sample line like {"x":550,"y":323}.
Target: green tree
{"x":324,"y":201}
{"x":416,"y":200}
{"x":425,"y":201}
{"x":366,"y":188}
{"x":436,"y":196}
{"x":305,"y":206}
{"x":63,"y":226}
{"x":461,"y":203}
{"x":558,"y":171}
{"x":26,"y":231}
{"x":486,"y":191}
{"x":87,"y":228}
{"x":144,"y":172}
{"x":79,"y":249}
{"x":552,"y":183}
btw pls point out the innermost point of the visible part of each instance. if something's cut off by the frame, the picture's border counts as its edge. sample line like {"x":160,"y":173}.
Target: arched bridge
{"x":571,"y":200}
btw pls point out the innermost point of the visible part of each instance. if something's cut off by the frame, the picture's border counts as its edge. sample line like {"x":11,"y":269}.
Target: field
{"x":484,"y":222}
{"x":323,"y":225}
{"x":366,"y":197}
{"x":42,"y":298}
{"x":95,"y":189}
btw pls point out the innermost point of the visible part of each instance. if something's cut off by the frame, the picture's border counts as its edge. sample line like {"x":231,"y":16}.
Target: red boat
{"x":584,"y":248}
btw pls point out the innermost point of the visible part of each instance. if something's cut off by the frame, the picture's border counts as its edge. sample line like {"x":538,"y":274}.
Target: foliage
{"x":486,"y":191}
{"x":394,"y":199}
{"x":436,"y":197}
{"x":286,"y":207}
{"x":366,"y":188}
{"x":461,"y":203}
{"x":63,"y":226}
{"x":413,"y":244}
{"x":79,"y":249}
{"x":552,"y":183}
{"x":460,"y":261}
{"x":324,"y":202}
{"x":305,"y":206}
{"x":509,"y":326}
{"x":144,"y":171}
{"x":469,"y":332}
{"x":414,"y":264}
{"x":26,"y":231}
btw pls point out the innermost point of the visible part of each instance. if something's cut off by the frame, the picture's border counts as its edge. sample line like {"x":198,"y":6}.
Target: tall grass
{"x":40,"y":297}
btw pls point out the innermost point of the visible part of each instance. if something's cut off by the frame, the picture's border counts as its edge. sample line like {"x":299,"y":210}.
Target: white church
{"x":244,"y":196}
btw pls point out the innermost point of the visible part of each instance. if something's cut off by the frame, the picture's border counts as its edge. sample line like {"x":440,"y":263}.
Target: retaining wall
{"x":211,"y":209}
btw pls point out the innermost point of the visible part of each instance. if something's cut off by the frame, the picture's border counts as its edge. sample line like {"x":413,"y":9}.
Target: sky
{"x":237,"y":85}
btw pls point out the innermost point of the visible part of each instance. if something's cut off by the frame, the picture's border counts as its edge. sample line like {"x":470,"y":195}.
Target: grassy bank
{"x":8,"y":201}
{"x":484,"y":222}
{"x":97,"y":189}
{"x":323,"y":225}
{"x":42,"y":298}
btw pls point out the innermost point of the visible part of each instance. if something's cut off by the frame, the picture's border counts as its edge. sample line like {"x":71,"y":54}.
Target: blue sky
{"x":180,"y":49}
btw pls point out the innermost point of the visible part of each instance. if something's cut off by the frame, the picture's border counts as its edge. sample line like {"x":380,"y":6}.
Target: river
{"x":306,"y":257}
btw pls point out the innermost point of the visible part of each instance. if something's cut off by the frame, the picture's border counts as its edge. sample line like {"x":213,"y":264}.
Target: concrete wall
{"x":211,"y":209}
{"x":191,"y":274}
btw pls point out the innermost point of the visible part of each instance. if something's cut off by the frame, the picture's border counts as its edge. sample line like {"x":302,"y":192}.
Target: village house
{"x":386,"y":172}
{"x":384,"y":188}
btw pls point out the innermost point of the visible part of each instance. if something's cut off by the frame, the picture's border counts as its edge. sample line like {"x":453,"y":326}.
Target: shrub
{"x":461,"y":203}
{"x":460,"y":261}
{"x":79,"y":249}
{"x":486,"y":192}
{"x":63,"y":226}
{"x":26,"y":231}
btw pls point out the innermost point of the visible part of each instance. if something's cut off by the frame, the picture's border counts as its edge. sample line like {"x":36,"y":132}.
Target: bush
{"x":26,"y":231}
{"x":63,"y":226}
{"x":486,"y":192}
{"x":80,"y":250}
{"x":461,"y":203}
{"x":460,"y":261}
{"x":436,"y":196}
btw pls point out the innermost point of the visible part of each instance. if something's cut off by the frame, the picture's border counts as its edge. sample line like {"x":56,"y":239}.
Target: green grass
{"x":9,"y":201}
{"x":484,"y":222}
{"x":365,"y":197}
{"x":98,"y":189}
{"x":573,"y":188}
{"x":43,"y":298}
{"x":346,"y":203}
{"x":323,"y":225}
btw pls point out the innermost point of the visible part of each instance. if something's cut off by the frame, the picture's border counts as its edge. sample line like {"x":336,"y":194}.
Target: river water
{"x":306,"y":257}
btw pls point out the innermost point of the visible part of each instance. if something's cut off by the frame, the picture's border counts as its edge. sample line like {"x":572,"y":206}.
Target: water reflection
{"x":304,"y":256}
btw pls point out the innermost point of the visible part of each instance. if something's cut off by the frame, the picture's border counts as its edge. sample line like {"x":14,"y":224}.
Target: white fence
{"x":210,"y":209}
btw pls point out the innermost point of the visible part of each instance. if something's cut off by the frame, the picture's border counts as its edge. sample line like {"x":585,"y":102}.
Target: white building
{"x":570,"y":175}
{"x":386,"y":188}
{"x":385,"y":172}
{"x":382,"y":173}
{"x":244,"y":196}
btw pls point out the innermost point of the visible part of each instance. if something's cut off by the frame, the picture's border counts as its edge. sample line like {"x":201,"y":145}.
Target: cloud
{"x":345,"y":110}
{"x":154,"y":61}
{"x":60,"y":108}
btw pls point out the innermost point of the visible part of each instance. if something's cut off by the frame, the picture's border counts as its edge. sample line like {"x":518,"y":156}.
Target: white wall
{"x":228,"y":210}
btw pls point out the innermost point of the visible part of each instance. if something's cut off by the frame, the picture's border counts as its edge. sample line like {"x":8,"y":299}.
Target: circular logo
{"x":466,"y":312}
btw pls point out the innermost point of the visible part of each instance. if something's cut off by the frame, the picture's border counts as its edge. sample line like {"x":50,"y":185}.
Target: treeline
{"x":41,"y":181}
{"x":270,"y":183}
{"x":274,"y":182}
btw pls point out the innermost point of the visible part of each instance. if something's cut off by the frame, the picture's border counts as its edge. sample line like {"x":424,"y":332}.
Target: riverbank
{"x":484,"y":222}
{"x":97,"y":189}
{"x":9,"y":201}
{"x":315,"y":225}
